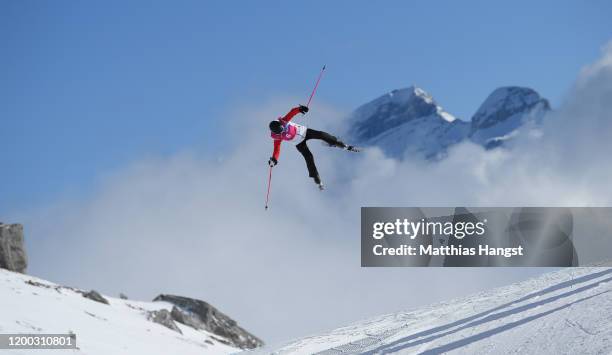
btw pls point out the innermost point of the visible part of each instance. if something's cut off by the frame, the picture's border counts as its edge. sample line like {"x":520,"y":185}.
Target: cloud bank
{"x":194,"y":224}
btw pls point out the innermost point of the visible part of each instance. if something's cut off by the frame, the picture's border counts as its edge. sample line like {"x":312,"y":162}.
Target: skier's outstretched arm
{"x":276,"y":153}
{"x":294,"y":111}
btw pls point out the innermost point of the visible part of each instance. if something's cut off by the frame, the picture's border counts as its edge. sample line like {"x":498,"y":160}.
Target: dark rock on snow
{"x":12,"y":251}
{"x":164,"y":318}
{"x":95,"y":296}
{"x":201,"y":315}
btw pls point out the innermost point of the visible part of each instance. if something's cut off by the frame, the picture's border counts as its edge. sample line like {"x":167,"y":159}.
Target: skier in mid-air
{"x":283,"y":129}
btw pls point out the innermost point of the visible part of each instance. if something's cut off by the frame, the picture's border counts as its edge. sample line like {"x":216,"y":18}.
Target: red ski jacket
{"x":291,"y":131}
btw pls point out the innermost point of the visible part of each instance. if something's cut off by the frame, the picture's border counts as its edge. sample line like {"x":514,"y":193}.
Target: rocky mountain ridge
{"x":409,"y":122}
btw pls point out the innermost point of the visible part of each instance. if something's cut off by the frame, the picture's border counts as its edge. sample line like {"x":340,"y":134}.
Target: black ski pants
{"x":303,"y":148}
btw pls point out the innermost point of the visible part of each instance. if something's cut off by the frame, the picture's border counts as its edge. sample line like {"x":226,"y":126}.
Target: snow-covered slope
{"x":564,"y":312}
{"x":406,"y":121}
{"x":410,"y":122}
{"x":505,"y":111}
{"x":32,"y":305}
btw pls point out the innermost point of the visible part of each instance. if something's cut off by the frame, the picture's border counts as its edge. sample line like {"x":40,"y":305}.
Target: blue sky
{"x":88,"y":87}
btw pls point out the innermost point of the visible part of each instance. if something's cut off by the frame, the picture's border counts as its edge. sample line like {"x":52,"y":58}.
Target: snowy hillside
{"x":410,"y":122}
{"x":32,"y":305}
{"x":564,"y":312}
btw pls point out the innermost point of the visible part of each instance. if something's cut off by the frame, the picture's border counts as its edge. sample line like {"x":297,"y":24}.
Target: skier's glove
{"x":303,"y":109}
{"x":272,"y":162}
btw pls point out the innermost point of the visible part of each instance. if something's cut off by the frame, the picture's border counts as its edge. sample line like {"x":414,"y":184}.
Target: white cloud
{"x":195,"y":225}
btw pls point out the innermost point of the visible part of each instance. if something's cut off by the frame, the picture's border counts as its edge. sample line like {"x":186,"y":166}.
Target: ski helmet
{"x":276,"y":127}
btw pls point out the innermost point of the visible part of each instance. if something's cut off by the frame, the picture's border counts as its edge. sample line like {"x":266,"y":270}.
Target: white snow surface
{"x":564,"y":312}
{"x":119,"y":328}
{"x":445,"y":115}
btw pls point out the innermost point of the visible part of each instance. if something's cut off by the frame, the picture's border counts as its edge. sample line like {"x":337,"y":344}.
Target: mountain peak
{"x":408,"y":121}
{"x":422,"y":94}
{"x":412,"y":93}
{"x":505,"y":101}
{"x":396,"y":108}
{"x":504,"y":111}
{"x":407,"y":118}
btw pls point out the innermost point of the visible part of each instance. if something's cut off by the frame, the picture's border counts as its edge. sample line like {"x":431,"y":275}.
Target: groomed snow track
{"x":564,"y":312}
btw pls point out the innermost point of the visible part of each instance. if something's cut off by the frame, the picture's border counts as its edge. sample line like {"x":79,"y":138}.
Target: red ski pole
{"x":316,"y":85}
{"x":308,"y":104}
{"x":269,"y":183}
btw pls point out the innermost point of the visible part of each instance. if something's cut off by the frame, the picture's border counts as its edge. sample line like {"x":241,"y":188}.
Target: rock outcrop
{"x":95,"y":296}
{"x":164,"y":318}
{"x":12,"y":251}
{"x":201,"y":315}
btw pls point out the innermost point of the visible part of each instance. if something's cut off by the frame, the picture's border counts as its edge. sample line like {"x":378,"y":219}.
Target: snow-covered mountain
{"x":505,"y":111}
{"x":105,"y":325}
{"x":406,"y":121}
{"x":410,"y":122}
{"x":564,"y":312}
